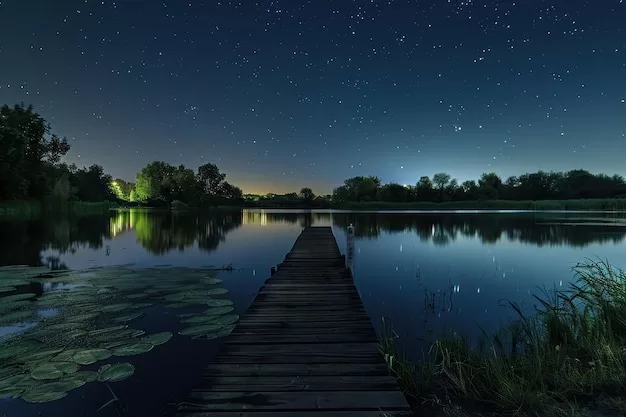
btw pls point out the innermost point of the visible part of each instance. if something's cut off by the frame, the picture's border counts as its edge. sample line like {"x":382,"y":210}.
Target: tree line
{"x":161,"y":183}
{"x":574,"y":184}
{"x":31,"y":169}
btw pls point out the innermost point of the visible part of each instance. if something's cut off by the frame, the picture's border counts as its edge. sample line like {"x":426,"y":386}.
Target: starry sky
{"x":282,"y":94}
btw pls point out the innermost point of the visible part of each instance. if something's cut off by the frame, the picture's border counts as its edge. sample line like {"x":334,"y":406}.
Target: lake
{"x":427,"y":272}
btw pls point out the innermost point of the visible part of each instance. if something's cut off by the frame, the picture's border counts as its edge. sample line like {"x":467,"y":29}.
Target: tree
{"x":231,"y":192}
{"x":211,"y":178}
{"x":27,"y":150}
{"x":470,"y":190}
{"x":489,"y":186}
{"x":93,"y":184}
{"x":394,"y":192}
{"x":307,"y":194}
{"x":424,"y":190}
{"x":441,"y":180}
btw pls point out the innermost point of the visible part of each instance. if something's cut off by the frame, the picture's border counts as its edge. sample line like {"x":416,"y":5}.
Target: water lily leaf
{"x":59,"y":327}
{"x":137,"y":296}
{"x":48,"y":392}
{"x":116,"y":307}
{"x":45,"y":354}
{"x":14,"y":349}
{"x":13,"y":380}
{"x":116,"y":372}
{"x":89,"y":356}
{"x":16,"y":297}
{"x":217,"y":291}
{"x":218,"y":311}
{"x":80,"y":378}
{"x":157,"y":338}
{"x":128,"y":317}
{"x":15,"y":305}
{"x":213,"y":281}
{"x":53,"y":370}
{"x":201,"y":329}
{"x":16,"y":316}
{"x":219,"y":302}
{"x":66,"y":356}
{"x":227,"y":319}
{"x":99,"y":332}
{"x":227,"y":330}
{"x":142,"y":305}
{"x":132,"y":349}
{"x":82,"y":317}
{"x":6,"y":289}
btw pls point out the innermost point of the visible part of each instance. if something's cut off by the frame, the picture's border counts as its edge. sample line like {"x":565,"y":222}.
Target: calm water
{"x":427,"y":272}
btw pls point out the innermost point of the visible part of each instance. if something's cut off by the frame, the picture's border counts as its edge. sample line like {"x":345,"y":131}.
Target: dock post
{"x":350,"y":246}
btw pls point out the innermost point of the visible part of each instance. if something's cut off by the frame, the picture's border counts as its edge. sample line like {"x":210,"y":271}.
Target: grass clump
{"x":568,"y":359}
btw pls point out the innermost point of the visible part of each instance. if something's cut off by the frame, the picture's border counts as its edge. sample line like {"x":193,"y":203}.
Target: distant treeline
{"x":304,"y":199}
{"x":31,"y":174}
{"x":538,"y":186}
{"x":162,"y":184}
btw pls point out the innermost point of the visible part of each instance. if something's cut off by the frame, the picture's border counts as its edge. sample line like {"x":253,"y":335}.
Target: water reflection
{"x":444,"y":228}
{"x":158,"y":232}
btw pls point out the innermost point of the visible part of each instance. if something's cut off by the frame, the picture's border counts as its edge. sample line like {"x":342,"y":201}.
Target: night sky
{"x":289,"y":93}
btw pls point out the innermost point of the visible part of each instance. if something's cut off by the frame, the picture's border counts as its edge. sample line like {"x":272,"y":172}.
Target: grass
{"x":27,"y":210}
{"x":18,"y":210}
{"x":582,"y":204}
{"x":568,"y":359}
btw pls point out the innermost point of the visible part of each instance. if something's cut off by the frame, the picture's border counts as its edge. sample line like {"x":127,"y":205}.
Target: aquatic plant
{"x":89,"y":312}
{"x":567,"y":357}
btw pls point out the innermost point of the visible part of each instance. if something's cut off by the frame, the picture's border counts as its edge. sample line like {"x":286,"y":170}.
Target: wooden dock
{"x":305,"y":347}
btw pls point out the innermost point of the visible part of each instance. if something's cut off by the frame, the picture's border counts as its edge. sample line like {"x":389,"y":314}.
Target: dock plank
{"x":305,"y":347}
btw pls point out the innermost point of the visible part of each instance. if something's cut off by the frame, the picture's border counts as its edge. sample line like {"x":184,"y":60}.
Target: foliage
{"x":568,"y":356}
{"x":307,"y":194}
{"x":27,"y":150}
{"x":162,"y":181}
{"x":539,"y":186}
{"x":30,"y":167}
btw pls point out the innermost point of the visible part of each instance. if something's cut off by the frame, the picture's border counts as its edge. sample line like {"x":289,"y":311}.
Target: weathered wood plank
{"x":298,"y":383}
{"x":345,"y":337}
{"x":301,"y":413}
{"x":292,"y":369}
{"x":332,"y":400}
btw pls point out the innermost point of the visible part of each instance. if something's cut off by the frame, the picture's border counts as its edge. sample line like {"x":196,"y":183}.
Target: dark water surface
{"x":427,"y":272}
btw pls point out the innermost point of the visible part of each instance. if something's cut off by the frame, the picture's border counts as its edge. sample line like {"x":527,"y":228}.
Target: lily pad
{"x":132,"y":349}
{"x":222,"y":333}
{"x":219,"y":302}
{"x":87,"y":357}
{"x":218,"y":311}
{"x":124,"y":318}
{"x":80,"y":378}
{"x":48,"y":392}
{"x":99,"y":332}
{"x":15,"y":349}
{"x":45,"y":354}
{"x":227,"y":319}
{"x":217,"y":291}
{"x":53,"y":370}
{"x":201,"y":329}
{"x":16,"y":297}
{"x":116,"y":307}
{"x":213,"y":281}
{"x":66,"y":356}
{"x":157,"y":338}
{"x":116,"y":372}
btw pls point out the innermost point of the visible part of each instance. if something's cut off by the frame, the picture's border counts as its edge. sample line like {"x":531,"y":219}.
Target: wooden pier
{"x":305,"y":347}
